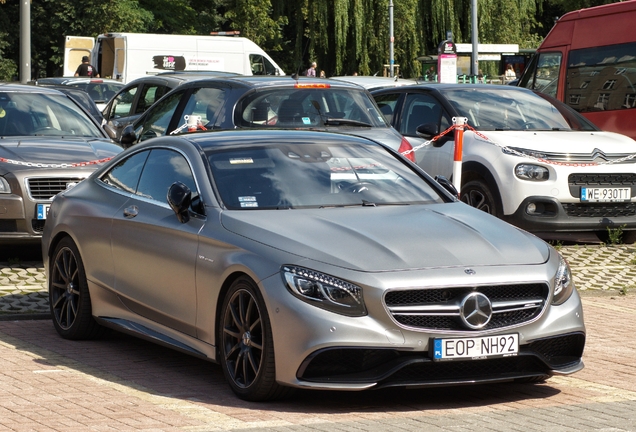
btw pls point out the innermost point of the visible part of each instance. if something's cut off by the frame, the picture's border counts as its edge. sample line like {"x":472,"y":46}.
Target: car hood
{"x":25,"y":153}
{"x":391,"y":237}
{"x":563,"y":141}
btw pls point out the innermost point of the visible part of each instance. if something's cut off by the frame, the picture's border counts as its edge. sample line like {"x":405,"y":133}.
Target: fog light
{"x":532,"y":208}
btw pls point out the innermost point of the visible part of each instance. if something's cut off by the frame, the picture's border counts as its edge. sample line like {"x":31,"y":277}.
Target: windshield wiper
{"x":332,"y":121}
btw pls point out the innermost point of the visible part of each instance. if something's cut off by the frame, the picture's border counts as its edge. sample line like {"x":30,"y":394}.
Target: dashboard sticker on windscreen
{"x":246,"y":160}
{"x":248,"y":201}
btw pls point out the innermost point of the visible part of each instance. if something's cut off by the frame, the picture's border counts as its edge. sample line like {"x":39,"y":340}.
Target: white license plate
{"x":476,"y":348}
{"x":43,"y":211}
{"x":605,"y":194}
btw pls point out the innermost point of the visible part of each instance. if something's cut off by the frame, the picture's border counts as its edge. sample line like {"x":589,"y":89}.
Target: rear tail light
{"x":406,"y":146}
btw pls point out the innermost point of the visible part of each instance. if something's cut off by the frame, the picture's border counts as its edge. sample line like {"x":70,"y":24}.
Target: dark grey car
{"x":266,"y":103}
{"x":137,"y":96}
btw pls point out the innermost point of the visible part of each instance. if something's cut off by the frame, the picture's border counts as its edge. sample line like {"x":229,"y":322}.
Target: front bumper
{"x":392,"y":368}
{"x":555,"y":216}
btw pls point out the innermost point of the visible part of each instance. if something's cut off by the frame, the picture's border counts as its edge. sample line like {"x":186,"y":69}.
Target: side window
{"x":209,"y":104}
{"x":125,"y":175}
{"x":163,"y":168}
{"x":601,"y":78}
{"x":387,"y":104}
{"x":547,"y":78}
{"x":123,"y":103}
{"x":150,"y":93}
{"x":419,"y":109}
{"x":158,"y":119}
{"x":256,"y":64}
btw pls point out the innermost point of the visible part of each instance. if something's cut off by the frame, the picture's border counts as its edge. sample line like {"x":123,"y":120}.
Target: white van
{"x":126,"y":56}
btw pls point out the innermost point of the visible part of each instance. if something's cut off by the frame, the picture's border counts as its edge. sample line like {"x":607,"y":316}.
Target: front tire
{"x":246,"y":347}
{"x":69,"y":299}
{"x":476,"y":194}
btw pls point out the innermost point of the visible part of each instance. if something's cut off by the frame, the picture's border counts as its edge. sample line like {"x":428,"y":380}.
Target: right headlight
{"x":563,"y":283}
{"x":324,"y":291}
{"x":4,"y":186}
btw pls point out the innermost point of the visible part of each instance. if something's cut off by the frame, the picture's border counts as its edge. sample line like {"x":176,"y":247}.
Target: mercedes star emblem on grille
{"x":476,"y":310}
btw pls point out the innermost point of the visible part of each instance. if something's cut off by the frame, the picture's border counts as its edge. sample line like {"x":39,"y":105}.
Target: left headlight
{"x":563,"y":283}
{"x":532,"y":172}
{"x":4,"y":186}
{"x":324,"y":291}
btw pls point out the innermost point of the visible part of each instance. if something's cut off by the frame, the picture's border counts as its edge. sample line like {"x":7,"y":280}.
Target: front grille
{"x":596,"y":156}
{"x":576,"y":181}
{"x":438,"y":308}
{"x":8,"y":225}
{"x":45,"y":188}
{"x":600,"y":210}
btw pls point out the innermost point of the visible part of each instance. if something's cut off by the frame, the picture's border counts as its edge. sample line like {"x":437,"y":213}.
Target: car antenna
{"x":300,"y":62}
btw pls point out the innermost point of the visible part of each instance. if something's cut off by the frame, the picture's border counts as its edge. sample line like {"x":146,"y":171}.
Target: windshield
{"x":318,"y":175}
{"x":39,"y":114}
{"x":309,"y":107}
{"x":506,"y":109}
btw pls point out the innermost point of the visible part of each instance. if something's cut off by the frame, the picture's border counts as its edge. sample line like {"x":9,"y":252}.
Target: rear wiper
{"x":332,"y":121}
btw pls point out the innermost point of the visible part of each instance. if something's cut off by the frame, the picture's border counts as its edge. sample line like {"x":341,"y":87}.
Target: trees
{"x":343,"y":36}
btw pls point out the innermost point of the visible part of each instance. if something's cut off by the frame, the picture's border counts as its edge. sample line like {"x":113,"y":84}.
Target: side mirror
{"x":128,"y":136}
{"x":180,"y":198}
{"x":446,"y":184}
{"x":110,"y":131}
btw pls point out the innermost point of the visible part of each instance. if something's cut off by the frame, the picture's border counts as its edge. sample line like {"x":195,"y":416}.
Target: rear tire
{"x":246,"y":346}
{"x":69,"y":299}
{"x":476,"y":194}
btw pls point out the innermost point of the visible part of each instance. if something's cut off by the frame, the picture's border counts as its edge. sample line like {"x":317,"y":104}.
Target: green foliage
{"x":343,"y":36}
{"x":8,"y":68}
{"x":615,"y":235}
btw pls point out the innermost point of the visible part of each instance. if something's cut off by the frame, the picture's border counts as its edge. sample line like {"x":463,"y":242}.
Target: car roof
{"x":276,"y":81}
{"x":75,"y":80}
{"x":175,"y":78}
{"x":375,"y":82}
{"x":27,"y":88}
{"x":454,"y":86}
{"x":234,"y":137}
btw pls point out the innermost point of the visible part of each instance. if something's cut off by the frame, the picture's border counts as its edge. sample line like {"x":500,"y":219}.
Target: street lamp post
{"x":391,"y":39}
{"x":475,"y":39}
{"x":25,"y":41}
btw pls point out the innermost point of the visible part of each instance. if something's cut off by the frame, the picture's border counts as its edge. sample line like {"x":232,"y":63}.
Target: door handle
{"x":131,"y":212}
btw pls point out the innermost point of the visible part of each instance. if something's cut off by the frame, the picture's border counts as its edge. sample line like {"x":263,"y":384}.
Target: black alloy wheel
{"x":476,"y":194}
{"x":69,"y":298}
{"x":246,"y":344}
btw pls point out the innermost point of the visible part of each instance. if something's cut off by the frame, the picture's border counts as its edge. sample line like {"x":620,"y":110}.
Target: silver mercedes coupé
{"x":301,"y":259}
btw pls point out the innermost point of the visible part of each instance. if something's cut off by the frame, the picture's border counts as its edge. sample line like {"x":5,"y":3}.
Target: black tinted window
{"x":162,"y":169}
{"x":125,"y":175}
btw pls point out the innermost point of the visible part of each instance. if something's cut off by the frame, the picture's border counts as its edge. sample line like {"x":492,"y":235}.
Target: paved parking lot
{"x":121,"y":383}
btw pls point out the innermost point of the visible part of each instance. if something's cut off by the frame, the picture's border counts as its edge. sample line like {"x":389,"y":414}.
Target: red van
{"x":588,"y":61}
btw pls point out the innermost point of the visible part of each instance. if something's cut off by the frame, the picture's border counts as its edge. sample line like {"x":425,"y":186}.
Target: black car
{"x":137,"y":96}
{"x":224,"y":103}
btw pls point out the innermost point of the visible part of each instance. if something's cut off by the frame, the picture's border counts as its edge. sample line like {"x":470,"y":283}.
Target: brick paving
{"x":119,"y":383}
